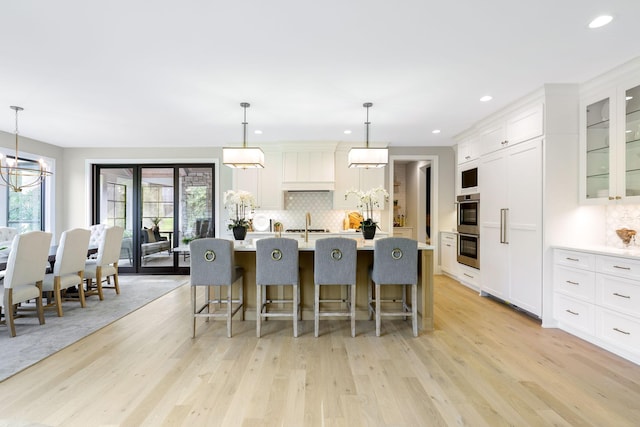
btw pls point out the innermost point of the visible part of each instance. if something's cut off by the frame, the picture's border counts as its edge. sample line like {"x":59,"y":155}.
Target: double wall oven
{"x":469,"y":229}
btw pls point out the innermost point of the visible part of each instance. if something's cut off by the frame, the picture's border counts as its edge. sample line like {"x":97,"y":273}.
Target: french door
{"x":159,"y":206}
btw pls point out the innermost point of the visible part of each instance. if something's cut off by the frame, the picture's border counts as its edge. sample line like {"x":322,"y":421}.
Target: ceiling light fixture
{"x":486,"y":98}
{"x":244,"y":157}
{"x":435,"y":131}
{"x":368,"y":157}
{"x":17,"y":174}
{"x":600,"y":21}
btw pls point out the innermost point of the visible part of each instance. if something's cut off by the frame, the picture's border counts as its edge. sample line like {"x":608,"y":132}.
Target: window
{"x":25,"y":209}
{"x":116,"y":204}
{"x":157,"y":206}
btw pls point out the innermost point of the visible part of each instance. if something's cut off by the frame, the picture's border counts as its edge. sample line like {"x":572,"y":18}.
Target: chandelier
{"x":368,"y":157}
{"x":243,"y":157}
{"x":18,"y":174}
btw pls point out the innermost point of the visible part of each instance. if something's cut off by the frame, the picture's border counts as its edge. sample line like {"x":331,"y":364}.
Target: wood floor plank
{"x":484,"y":365}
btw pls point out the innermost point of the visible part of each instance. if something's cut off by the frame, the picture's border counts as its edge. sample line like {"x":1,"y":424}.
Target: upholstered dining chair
{"x":277,"y":264}
{"x":334,"y":264}
{"x":106,"y":263}
{"x":395,"y":262}
{"x":25,"y":272}
{"x":212,"y":265}
{"x":68,"y":271}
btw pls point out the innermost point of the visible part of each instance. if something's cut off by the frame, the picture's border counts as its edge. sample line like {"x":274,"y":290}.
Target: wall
{"x":77,"y":181}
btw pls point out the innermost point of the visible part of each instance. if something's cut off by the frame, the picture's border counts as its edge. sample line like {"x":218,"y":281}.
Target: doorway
{"x":160,"y":207}
{"x":421,"y":194}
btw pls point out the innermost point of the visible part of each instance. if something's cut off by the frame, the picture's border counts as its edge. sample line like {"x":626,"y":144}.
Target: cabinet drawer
{"x":575,"y":313}
{"x":621,"y":267}
{"x":574,"y":282}
{"x":469,"y":275}
{"x":619,"y":330}
{"x":575,"y":259}
{"x":619,"y":294}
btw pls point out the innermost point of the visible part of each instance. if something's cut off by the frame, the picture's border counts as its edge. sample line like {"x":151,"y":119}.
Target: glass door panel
{"x":195,"y":197}
{"x":598,"y":149}
{"x":116,"y":208}
{"x":632,"y":141}
{"x":157,"y":207}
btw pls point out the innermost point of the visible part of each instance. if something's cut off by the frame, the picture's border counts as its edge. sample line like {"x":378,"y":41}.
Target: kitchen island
{"x":245,"y":256}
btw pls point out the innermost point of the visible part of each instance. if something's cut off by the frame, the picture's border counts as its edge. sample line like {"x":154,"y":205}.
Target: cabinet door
{"x":494,"y":254}
{"x":524,"y":224}
{"x":525,"y":126}
{"x":448,"y":250}
{"x":631,"y":126}
{"x":597,"y":162}
{"x":493,"y":139}
{"x":270,"y":182}
{"x":468,"y":150}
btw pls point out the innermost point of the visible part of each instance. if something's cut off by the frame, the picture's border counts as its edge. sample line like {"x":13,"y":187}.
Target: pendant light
{"x":368,"y":157}
{"x":15,"y":176}
{"x":243,"y":157}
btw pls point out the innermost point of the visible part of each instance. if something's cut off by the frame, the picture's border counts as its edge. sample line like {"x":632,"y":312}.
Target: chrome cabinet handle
{"x":572,"y":259}
{"x":621,"y":331}
{"x":621,"y":268}
{"x":572,"y":283}
{"x":572,"y":312}
{"x":622,"y":296}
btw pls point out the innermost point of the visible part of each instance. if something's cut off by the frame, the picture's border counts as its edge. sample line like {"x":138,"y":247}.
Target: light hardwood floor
{"x":484,"y":365}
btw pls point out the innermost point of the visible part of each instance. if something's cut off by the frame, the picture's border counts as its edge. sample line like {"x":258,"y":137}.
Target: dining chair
{"x":212,"y":265}
{"x":277,"y":265}
{"x":334,"y":264}
{"x":395,"y":262}
{"x":25,"y":272}
{"x":105,"y":265}
{"x":68,"y":270}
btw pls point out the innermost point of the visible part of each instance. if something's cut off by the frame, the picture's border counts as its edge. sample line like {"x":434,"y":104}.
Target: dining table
{"x":4,"y":255}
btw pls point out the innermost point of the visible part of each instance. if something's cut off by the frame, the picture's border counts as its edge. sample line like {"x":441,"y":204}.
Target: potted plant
{"x":367,"y":200}
{"x":239,"y":204}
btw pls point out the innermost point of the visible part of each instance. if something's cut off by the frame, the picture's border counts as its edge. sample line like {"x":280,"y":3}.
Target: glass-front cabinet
{"x":610,"y":146}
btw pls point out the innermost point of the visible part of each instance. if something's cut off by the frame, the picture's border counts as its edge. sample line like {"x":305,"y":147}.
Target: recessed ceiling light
{"x":600,"y":21}
{"x":628,"y":131}
{"x":435,"y":131}
{"x":347,"y":132}
{"x":257,"y":132}
{"x":629,"y":98}
{"x":486,"y":98}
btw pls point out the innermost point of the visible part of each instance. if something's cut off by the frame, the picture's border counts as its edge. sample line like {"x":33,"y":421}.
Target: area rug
{"x":34,"y":342}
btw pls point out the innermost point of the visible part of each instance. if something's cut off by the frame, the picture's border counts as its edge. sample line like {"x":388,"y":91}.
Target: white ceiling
{"x":173,"y":73}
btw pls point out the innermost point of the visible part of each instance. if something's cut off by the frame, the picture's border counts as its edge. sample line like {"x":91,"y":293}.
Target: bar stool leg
{"x":316,"y":309}
{"x":296,"y":309}
{"x":414,"y":308}
{"x":258,"y":309}
{"x":378,"y":309}
{"x":352,"y":306}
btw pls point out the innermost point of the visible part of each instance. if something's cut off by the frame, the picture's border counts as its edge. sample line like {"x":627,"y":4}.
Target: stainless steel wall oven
{"x":469,"y":229}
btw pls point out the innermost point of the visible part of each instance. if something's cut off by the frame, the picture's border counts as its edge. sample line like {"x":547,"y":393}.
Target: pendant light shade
{"x":243,"y":157}
{"x":18,"y":174}
{"x":368,"y":157}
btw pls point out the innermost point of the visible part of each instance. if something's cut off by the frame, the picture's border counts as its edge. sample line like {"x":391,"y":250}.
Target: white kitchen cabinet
{"x":347,"y":178}
{"x":265,"y":183}
{"x":448,"y":253}
{"x":610,"y":144}
{"x":511,"y":225}
{"x":469,"y":276}
{"x":513,"y":129}
{"x":468,"y":150}
{"x":596,"y":297}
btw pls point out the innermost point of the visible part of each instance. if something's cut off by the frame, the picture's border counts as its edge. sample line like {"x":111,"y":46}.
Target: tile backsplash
{"x":621,"y":216}
{"x":319,"y":204}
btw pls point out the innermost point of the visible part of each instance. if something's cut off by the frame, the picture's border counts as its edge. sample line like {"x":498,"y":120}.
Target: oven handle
{"x":503,"y":226}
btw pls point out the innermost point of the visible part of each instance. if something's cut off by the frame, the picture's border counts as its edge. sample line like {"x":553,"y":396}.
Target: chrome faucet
{"x":307,"y":223}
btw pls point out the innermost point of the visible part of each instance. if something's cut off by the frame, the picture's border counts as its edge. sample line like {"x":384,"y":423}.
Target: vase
{"x":239,"y":232}
{"x":369,"y":231}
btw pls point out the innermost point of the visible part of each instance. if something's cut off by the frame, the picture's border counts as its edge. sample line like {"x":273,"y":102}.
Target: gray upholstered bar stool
{"x":212,"y":265}
{"x":277,"y":264}
{"x":335,"y":265}
{"x":395,"y":262}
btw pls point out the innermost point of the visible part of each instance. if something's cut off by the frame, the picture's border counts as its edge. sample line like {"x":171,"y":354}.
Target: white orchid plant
{"x":367,"y":201}
{"x":239,"y":204}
